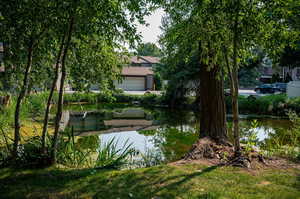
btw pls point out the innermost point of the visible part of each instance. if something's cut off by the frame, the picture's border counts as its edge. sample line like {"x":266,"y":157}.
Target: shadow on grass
{"x":148,"y":183}
{"x":298,"y":182}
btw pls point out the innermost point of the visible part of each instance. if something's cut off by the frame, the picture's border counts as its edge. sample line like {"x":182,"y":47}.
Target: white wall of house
{"x":131,"y":84}
{"x":293,"y":89}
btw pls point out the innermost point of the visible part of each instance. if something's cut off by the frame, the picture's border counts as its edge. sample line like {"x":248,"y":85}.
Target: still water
{"x":160,"y":131}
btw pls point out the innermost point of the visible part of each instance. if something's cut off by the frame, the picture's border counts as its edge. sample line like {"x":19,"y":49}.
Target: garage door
{"x":132,"y":84}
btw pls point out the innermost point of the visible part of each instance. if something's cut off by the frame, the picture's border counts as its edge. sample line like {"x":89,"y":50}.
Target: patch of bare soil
{"x":207,"y":152}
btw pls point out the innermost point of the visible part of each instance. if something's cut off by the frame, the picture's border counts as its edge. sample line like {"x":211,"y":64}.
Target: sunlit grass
{"x":188,"y":181}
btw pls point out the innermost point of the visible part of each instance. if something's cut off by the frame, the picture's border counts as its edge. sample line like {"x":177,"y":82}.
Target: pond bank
{"x":160,"y":182}
{"x":276,"y":105}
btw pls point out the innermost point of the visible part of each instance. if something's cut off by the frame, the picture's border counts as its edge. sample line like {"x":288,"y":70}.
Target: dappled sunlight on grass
{"x":188,"y":181}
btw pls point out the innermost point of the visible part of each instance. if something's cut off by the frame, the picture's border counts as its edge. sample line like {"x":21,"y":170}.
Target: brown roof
{"x":144,"y":59}
{"x":137,"y":71}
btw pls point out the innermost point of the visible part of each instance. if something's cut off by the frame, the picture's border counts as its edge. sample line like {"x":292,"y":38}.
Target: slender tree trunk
{"x":29,"y":88}
{"x":20,"y":99}
{"x":235,"y":86}
{"x":48,"y":107}
{"x":212,"y":105}
{"x":61,"y":92}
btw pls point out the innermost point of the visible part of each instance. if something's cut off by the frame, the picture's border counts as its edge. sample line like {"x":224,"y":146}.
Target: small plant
{"x":72,"y":154}
{"x":251,"y":140}
{"x":110,"y":156}
{"x":285,"y":143}
{"x":150,"y":158}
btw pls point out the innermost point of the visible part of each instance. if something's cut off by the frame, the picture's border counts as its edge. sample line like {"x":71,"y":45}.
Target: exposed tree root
{"x":223,"y":153}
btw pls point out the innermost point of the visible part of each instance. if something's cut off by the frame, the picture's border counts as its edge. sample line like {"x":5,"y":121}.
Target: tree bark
{"x":61,"y":92}
{"x":235,"y":86}
{"x":212,"y":105}
{"x":20,"y":99}
{"x":53,"y":86}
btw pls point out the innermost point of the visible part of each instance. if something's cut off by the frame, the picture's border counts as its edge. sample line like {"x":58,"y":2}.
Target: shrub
{"x":35,"y":104}
{"x":286,"y":142}
{"x":110,"y":156}
{"x":268,"y":105}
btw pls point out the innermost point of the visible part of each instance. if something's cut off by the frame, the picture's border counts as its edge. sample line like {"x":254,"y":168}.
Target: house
{"x":138,"y":75}
{"x":268,"y":72}
{"x":268,"y":69}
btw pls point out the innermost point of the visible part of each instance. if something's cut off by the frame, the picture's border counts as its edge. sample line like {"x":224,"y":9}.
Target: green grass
{"x":188,"y":181}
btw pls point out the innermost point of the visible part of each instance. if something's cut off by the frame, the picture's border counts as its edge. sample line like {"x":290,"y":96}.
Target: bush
{"x":148,"y":99}
{"x":80,"y":97}
{"x":267,"y":105}
{"x":35,"y":104}
{"x":112,"y":157}
{"x":285,"y":142}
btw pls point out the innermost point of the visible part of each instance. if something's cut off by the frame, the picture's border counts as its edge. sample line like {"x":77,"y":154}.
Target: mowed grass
{"x":160,"y":182}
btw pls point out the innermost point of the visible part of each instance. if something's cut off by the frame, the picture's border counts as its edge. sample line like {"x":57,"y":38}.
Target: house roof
{"x":137,"y":71}
{"x":2,"y":69}
{"x":144,"y":59}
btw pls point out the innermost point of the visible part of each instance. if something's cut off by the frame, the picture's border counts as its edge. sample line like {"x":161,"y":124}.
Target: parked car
{"x":280,"y":87}
{"x":265,"y":88}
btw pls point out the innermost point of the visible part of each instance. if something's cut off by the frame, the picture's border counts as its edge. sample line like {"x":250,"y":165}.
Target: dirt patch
{"x":264,"y":183}
{"x":208,"y":152}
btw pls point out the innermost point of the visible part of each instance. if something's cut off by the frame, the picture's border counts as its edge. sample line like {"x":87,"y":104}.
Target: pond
{"x":165,"y":133}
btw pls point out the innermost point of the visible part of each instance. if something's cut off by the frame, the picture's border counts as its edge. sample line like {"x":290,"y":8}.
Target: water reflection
{"x":166,"y":132}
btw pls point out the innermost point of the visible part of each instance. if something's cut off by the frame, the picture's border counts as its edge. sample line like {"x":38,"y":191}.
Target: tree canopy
{"x":148,"y":49}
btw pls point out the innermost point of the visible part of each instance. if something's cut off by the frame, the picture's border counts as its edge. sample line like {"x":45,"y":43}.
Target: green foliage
{"x":158,"y":81}
{"x":173,"y":142}
{"x":149,"y":158}
{"x":188,"y":181}
{"x":76,"y":154}
{"x":249,"y":73}
{"x":249,"y":77}
{"x":6,"y":123}
{"x":291,"y":56}
{"x":30,"y":154}
{"x":117,"y":97}
{"x":110,"y":156}
{"x":266,"y":105}
{"x":148,"y":49}
{"x":285,"y":142}
{"x":250,"y":139}
{"x":80,"y":97}
{"x":35,"y":104}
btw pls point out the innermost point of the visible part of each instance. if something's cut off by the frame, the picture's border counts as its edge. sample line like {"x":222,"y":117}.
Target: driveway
{"x":141,"y":92}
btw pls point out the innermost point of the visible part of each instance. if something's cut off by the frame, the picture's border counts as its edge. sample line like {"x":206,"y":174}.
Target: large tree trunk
{"x":20,"y":99}
{"x":212,"y":105}
{"x":48,"y":107}
{"x":61,"y":92}
{"x":213,"y":142}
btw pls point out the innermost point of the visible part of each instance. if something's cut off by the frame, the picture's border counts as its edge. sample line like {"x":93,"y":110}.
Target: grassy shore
{"x":167,"y":181}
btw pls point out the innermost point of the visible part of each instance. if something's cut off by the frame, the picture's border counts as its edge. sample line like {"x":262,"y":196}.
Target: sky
{"x":151,"y":32}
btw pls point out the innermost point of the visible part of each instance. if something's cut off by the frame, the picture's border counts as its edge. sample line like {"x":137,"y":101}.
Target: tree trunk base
{"x":206,"y":148}
{"x":223,"y":153}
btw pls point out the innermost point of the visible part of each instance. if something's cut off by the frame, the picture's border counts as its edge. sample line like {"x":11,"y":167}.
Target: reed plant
{"x":113,"y":157}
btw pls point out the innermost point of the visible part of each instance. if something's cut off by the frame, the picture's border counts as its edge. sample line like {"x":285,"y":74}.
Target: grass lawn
{"x":167,"y":181}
